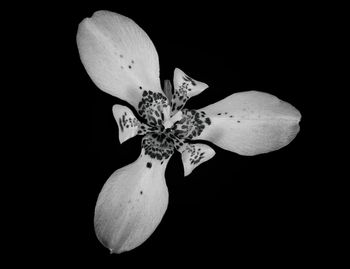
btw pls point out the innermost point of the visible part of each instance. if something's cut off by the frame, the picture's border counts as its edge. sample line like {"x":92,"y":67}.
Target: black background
{"x":232,"y":208}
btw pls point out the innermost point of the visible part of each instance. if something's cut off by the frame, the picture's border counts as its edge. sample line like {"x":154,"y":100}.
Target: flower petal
{"x":184,"y":88}
{"x":128,"y":124}
{"x":250,"y":123}
{"x":119,"y":56}
{"x":193,"y":155}
{"x":191,"y":124}
{"x":131,"y":204}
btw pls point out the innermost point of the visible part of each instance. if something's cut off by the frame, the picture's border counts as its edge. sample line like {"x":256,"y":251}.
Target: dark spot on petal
{"x":141,"y":192}
{"x":129,"y":66}
{"x":149,"y":165}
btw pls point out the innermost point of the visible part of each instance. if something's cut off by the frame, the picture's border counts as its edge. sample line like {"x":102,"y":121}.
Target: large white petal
{"x":131,"y":204}
{"x":119,"y":56}
{"x":250,"y":123}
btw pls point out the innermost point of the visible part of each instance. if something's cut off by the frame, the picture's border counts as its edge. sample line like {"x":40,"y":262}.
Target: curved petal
{"x":193,"y":155}
{"x":119,"y":57}
{"x":128,"y":124}
{"x":131,"y":204}
{"x":250,"y":123}
{"x":184,"y":88}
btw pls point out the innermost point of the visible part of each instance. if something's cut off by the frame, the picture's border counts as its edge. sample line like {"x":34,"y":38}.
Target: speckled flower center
{"x":168,"y":126}
{"x":159,"y":144}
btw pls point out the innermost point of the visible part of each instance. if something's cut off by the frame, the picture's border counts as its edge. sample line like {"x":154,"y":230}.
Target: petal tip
{"x":178,"y":71}
{"x":186,"y":172}
{"x":189,"y":164}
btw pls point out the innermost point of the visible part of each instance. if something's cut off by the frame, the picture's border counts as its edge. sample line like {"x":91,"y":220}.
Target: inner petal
{"x":193,"y":155}
{"x":184,"y":88}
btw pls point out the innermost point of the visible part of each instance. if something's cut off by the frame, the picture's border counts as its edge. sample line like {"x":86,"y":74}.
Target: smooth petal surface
{"x":184,"y":88}
{"x":131,"y":204}
{"x":250,"y":123}
{"x":193,"y":155}
{"x":119,"y":56}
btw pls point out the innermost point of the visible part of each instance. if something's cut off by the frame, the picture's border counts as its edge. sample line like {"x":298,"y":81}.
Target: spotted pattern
{"x":151,"y":107}
{"x":179,"y":144}
{"x":144,"y":129}
{"x":159,"y":143}
{"x":158,"y":146}
{"x":180,"y":96}
{"x":192,"y":124}
{"x":127,"y":121}
{"x":196,"y":153}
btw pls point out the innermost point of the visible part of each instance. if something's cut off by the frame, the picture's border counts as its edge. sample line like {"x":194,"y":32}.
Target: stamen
{"x":168,"y":90}
{"x":169,"y":123}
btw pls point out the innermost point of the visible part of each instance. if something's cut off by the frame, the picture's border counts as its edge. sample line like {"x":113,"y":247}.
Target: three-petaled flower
{"x":122,"y":61}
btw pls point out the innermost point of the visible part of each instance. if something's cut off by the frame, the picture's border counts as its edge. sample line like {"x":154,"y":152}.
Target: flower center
{"x":158,"y":145}
{"x":160,"y":142}
{"x":163,"y":131}
{"x":170,"y":122}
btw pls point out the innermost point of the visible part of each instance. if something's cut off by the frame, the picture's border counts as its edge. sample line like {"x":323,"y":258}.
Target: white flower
{"x":122,"y":61}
